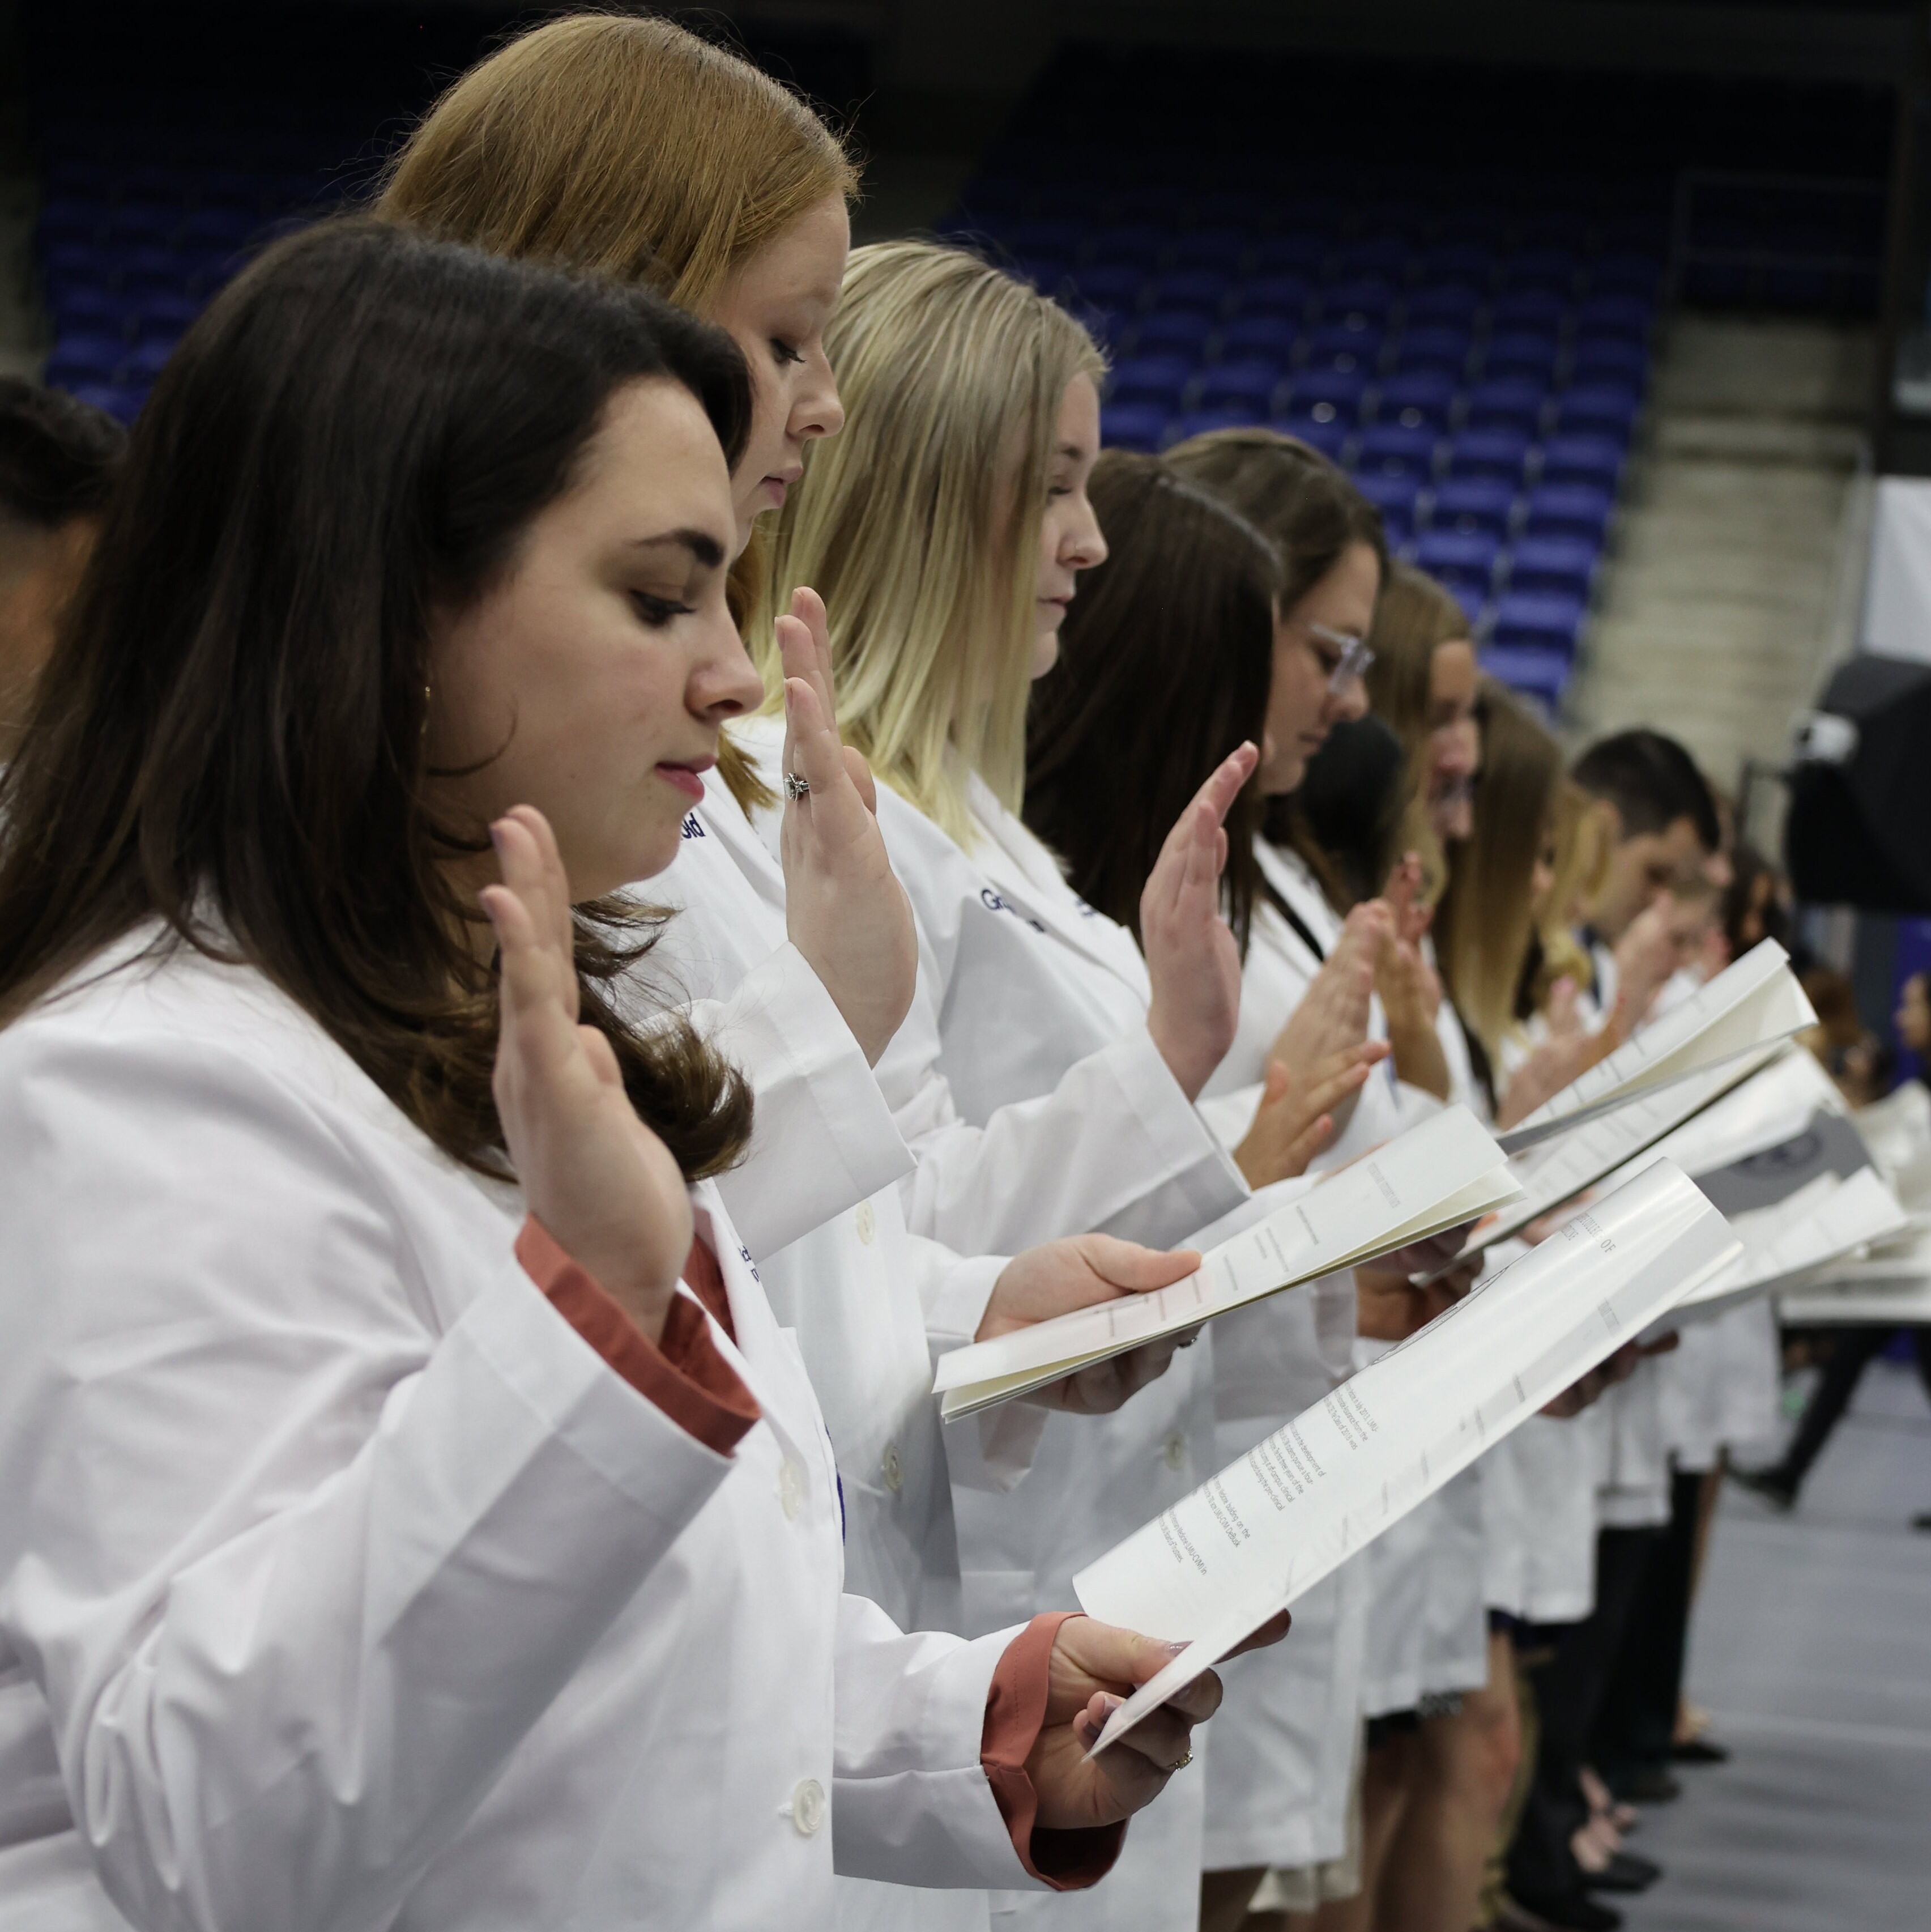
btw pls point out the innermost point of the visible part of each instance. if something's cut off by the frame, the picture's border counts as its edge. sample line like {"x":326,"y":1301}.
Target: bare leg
{"x":1465,"y":1767}
{"x":1224,"y":1895}
{"x":1385,"y":1777}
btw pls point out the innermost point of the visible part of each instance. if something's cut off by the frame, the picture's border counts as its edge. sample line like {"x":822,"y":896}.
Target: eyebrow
{"x":1072,"y":451}
{"x":702,"y":546}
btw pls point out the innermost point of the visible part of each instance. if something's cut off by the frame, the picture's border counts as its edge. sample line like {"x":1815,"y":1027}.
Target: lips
{"x":688,"y":778}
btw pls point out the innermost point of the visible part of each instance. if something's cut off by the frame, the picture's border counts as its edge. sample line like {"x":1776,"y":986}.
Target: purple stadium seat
{"x":1568,"y":510}
{"x":1244,"y":385}
{"x":1150,"y":379}
{"x":1453,"y":556}
{"x":82,"y":310}
{"x":1327,"y":395}
{"x":91,"y":357}
{"x":1331,"y":438}
{"x":1469,"y":504}
{"x":1594,"y":460}
{"x":163,"y":318}
{"x":1432,"y":350}
{"x":1133,"y":425}
{"x":1350,"y":351}
{"x":1395,"y":496}
{"x":121,"y":401}
{"x":1417,"y":399}
{"x":1604,"y":410}
{"x":1167,"y":331}
{"x":1540,"y":620}
{"x":1531,"y":357}
{"x":1268,"y":337}
{"x":1541,"y":675}
{"x":1512,"y":402}
{"x":1389,"y":450}
{"x":1502,"y":454}
{"x":1565,"y":565}
{"x":1278,"y":295}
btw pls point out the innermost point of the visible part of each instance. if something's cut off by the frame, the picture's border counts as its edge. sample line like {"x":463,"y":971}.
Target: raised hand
{"x":1078,"y":1272}
{"x":1647,"y":957}
{"x":1390,"y":1307}
{"x":1569,"y":1050}
{"x":599,"y":1180}
{"x":1192,"y":958}
{"x":1297,"y":1117}
{"x":1333,"y":1014}
{"x":844,"y":909}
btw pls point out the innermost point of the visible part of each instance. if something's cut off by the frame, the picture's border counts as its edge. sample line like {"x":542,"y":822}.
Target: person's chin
{"x":1045,"y":652}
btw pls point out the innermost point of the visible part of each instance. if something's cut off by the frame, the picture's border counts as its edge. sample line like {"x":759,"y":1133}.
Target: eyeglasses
{"x":1355,"y":657}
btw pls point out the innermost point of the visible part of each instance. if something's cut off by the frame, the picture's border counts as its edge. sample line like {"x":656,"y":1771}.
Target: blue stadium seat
{"x":1327,"y":395}
{"x":1395,"y":497}
{"x":1470,"y":504}
{"x":1150,"y":379}
{"x":1133,"y":243}
{"x":1511,"y":402}
{"x":1609,"y":359}
{"x":1551,"y":269}
{"x":121,"y":401}
{"x":1051,"y":275}
{"x":1331,"y":438}
{"x":1060,"y":241}
{"x":1199,"y":422}
{"x":1204,"y":290}
{"x":1566,"y":565}
{"x":1594,"y":410}
{"x":145,"y":360}
{"x":1221,"y":248}
{"x":1593,"y":460}
{"x":1626,"y":273}
{"x":70,"y":218}
{"x":1291,"y":254}
{"x":1539,"y":620}
{"x":1281,"y":294}
{"x":1351,"y":351}
{"x":1114,"y":287}
{"x":84,"y":310}
{"x":1432,"y":349}
{"x":1466,"y":263}
{"x":1109,"y":327}
{"x":1389,"y":450}
{"x":1133,"y":425}
{"x":1360,"y":304}
{"x":163,"y":318}
{"x":1499,"y":453}
{"x":1470,"y":593}
{"x":1531,"y":357}
{"x":1271,"y":336}
{"x":1628,"y":317}
{"x":1182,"y":332}
{"x":91,"y":357}
{"x":221,"y":230}
{"x":1446,"y":305}
{"x":1417,"y":399}
{"x":1541,"y":675}
{"x":1381,"y":257}
{"x":1453,"y":556}
{"x":1245,"y":385}
{"x":93,"y":264}
{"x":1568,"y":510}
{"x":1527,"y":312}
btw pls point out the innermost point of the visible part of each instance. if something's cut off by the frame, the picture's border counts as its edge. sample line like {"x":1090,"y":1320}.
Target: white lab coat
{"x":1278,"y":1781}
{"x":1027,"y":1086}
{"x":342,"y":1585}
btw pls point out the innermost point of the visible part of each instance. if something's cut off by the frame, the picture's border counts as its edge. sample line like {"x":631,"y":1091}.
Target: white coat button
{"x":1175,"y":1450}
{"x":867,"y":1221}
{"x":791,"y":1490}
{"x":894,"y":1469}
{"x":807,"y":1806}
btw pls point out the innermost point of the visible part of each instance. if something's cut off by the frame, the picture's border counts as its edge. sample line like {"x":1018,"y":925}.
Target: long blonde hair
{"x":1583,"y":837}
{"x":622,"y":144}
{"x":919,"y":524}
{"x":1485,"y":923}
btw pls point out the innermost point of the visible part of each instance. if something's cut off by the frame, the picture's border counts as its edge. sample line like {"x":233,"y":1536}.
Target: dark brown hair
{"x":230,"y":737}
{"x":1307,"y":507}
{"x":57,"y":455}
{"x":1166,"y":658}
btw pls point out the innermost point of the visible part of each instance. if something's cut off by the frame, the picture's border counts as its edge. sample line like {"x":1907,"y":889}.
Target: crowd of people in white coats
{"x":618,"y":832}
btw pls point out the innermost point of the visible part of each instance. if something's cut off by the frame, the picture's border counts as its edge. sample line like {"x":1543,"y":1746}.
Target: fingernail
{"x":496,"y":833}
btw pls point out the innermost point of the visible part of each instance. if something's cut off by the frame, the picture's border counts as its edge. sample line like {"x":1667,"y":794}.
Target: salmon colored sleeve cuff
{"x":1015,"y":1708}
{"x":684,"y":1374}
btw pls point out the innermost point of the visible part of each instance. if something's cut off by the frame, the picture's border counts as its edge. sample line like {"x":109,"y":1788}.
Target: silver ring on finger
{"x":795,"y":787}
{"x":1181,"y":1763}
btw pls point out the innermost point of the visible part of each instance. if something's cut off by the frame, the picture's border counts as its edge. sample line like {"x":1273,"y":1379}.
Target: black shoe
{"x":1644,"y":1784}
{"x":1699,"y":1750}
{"x":1922,"y":1520}
{"x":1772,"y":1484}
{"x":1568,"y":1911}
{"x":1625,"y":1872}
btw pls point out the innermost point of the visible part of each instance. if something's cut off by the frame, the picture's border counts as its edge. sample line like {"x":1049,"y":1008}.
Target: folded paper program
{"x":1751,"y":1004}
{"x":1217,"y":1565}
{"x":1442,"y":1174}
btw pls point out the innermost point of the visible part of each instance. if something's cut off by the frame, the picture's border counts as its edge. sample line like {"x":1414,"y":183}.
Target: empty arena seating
{"x":1476,"y":354}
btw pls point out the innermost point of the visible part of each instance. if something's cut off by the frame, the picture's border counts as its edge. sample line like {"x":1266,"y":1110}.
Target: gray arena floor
{"x":1812,"y":1645}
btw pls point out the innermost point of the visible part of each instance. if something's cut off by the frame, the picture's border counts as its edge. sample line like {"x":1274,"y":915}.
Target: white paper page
{"x":1825,"y":1220}
{"x":1560,"y":1168}
{"x":1752,"y":1004}
{"x":1441,"y":1173}
{"x":1847,"y":1296}
{"x":1215,"y":1567}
